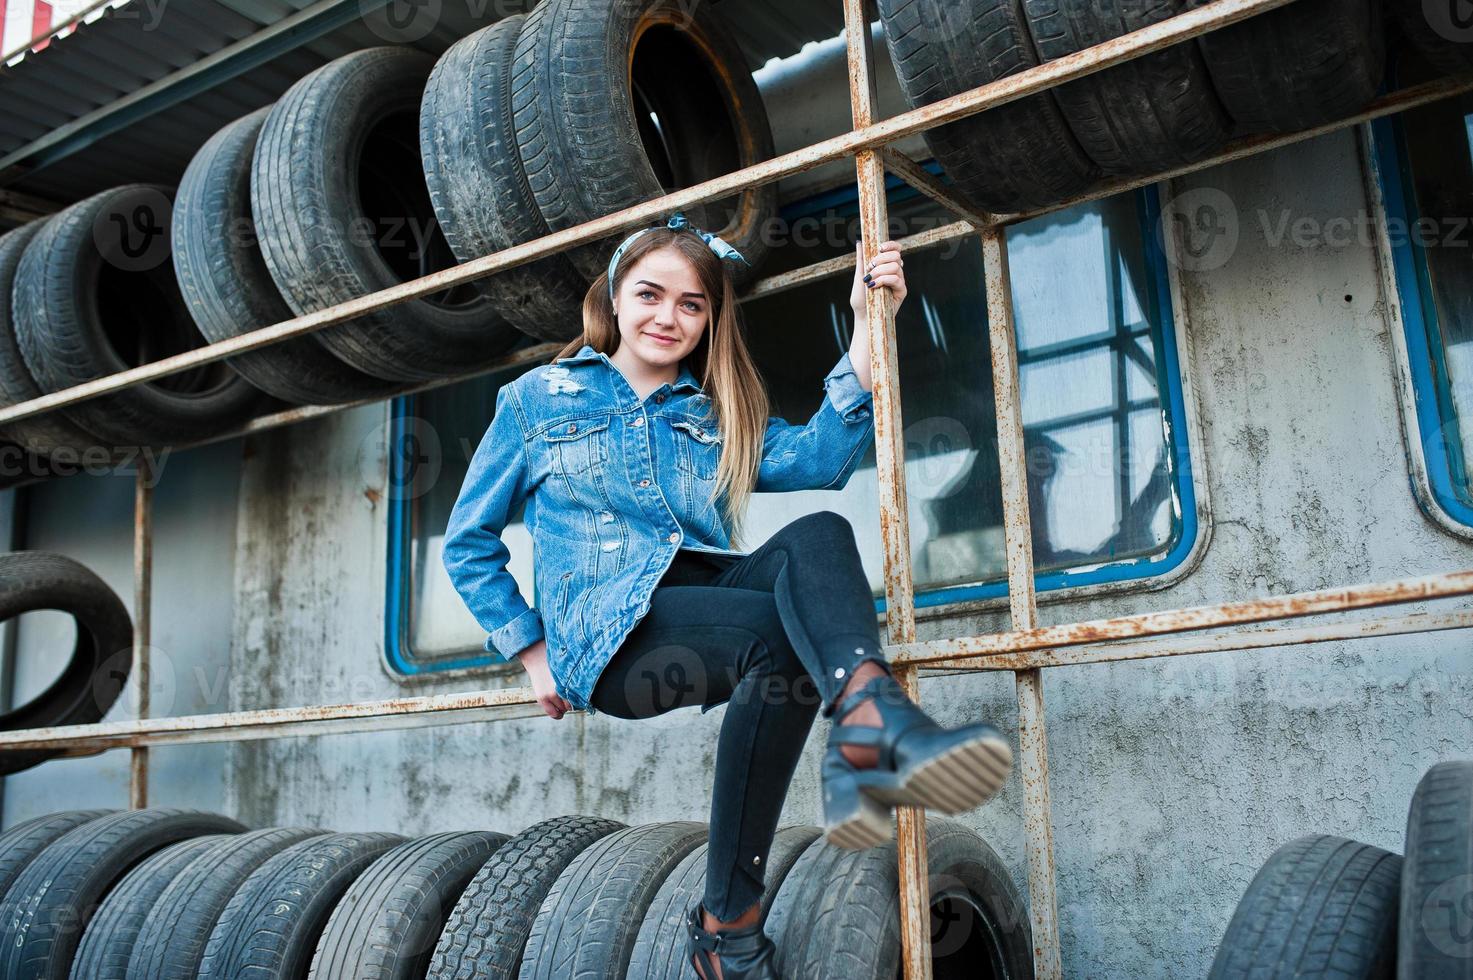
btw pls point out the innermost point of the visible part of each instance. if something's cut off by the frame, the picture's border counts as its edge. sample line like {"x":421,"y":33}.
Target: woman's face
{"x":662,"y":309}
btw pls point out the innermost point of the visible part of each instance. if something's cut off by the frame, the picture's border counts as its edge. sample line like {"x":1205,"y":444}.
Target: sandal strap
{"x":858,"y":735}
{"x":708,"y":942}
{"x":867,"y":692}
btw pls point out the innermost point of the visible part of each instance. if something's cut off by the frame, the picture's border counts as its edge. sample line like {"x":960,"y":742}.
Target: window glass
{"x":1100,"y":405}
{"x":1426,"y":170}
{"x":1096,"y":400}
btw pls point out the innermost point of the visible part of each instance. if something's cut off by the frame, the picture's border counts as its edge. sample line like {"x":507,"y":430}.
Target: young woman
{"x":635,"y":453}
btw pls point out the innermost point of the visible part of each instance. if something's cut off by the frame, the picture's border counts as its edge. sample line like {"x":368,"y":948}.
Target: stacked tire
{"x":580,"y":109}
{"x":89,"y":292}
{"x":165,"y":893}
{"x":1326,"y":906}
{"x":1288,"y":69}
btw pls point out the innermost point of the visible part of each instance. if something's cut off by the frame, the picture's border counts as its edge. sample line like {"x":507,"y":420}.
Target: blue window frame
{"x":1103,"y":410}
{"x":1425,"y":166}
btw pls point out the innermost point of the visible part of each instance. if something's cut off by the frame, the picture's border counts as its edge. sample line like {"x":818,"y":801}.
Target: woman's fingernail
{"x":866,"y":277}
{"x":872,"y":285}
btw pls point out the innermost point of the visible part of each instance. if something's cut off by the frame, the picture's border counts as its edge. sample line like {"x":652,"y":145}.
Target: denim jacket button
{"x":644,"y":483}
{"x":674,"y":536}
{"x":638,"y":422}
{"x":572,"y":428}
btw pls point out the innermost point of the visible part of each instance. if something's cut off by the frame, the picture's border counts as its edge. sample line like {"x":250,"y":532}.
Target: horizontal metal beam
{"x":483,"y":706}
{"x":1237,"y":639}
{"x":1390,"y":593}
{"x":1174,"y":30}
{"x":235,"y":726}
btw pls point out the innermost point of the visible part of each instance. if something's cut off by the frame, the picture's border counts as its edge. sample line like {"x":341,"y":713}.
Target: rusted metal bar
{"x":1174,"y":30}
{"x":519,"y":703}
{"x":143,"y":483}
{"x":233,"y":726}
{"x":930,"y":185}
{"x":1120,"y":651}
{"x":1368,"y":596}
{"x":884,"y":369}
{"x":1018,"y":540}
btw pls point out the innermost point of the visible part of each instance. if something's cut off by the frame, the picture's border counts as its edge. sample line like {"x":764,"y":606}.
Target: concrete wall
{"x":1172,"y":780}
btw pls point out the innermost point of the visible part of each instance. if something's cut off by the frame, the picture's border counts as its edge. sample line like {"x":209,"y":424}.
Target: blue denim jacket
{"x":614,"y":487}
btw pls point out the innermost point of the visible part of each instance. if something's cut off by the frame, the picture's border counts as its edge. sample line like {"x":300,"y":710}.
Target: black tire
{"x":1437,"y":877}
{"x":1149,"y":114}
{"x":659,"y":952}
{"x":487,"y":932}
{"x":108,"y":942}
{"x":838,"y":913}
{"x":20,"y":844}
{"x":173,"y":939}
{"x":1013,"y":158}
{"x":90,"y":301}
{"x":57,"y":895}
{"x":1302,"y":65}
{"x":272,"y":923}
{"x":589,"y":922}
{"x":1321,"y":906}
{"x":389,"y":920}
{"x":584,"y":144}
{"x":43,"y":433}
{"x":339,"y":154}
{"x":227,"y":286}
{"x":1447,"y":45}
{"x":101,"y":657}
{"x":479,"y":189}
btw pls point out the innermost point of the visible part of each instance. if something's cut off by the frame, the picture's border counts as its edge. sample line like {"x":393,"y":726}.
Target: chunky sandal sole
{"x":866,"y":825}
{"x":958,"y":780}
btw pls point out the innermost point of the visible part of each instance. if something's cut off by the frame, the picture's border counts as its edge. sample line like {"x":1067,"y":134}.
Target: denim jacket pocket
{"x":578,"y":446}
{"x":699,"y":452}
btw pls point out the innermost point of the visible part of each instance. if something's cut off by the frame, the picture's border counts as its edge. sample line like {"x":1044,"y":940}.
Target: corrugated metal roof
{"x":132,"y":95}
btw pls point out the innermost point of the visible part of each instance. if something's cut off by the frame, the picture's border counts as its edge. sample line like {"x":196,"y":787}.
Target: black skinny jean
{"x":772,"y":634}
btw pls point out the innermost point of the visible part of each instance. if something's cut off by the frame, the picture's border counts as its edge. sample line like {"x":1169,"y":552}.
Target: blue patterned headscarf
{"x":677,"y":221}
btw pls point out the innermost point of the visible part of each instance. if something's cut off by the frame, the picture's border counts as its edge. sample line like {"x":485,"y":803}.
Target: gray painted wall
{"x":1172,"y":780}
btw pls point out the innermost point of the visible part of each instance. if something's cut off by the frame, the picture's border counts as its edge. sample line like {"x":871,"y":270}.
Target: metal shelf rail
{"x":1026,"y":649}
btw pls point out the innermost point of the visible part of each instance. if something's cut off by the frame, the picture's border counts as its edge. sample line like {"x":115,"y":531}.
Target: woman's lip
{"x":667,"y":341}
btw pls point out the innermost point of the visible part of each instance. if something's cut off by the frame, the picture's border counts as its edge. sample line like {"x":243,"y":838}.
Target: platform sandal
{"x":746,"y":954}
{"x":920,"y":763}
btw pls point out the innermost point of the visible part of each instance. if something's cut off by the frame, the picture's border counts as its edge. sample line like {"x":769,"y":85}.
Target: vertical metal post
{"x":142,"y":620}
{"x":1032,"y":738}
{"x":915,"y":898}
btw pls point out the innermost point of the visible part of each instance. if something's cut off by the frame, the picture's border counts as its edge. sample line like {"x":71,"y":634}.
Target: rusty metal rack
{"x":1026,"y":649}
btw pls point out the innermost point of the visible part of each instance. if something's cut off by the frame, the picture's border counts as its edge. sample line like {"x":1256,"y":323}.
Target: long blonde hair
{"x":739,"y":401}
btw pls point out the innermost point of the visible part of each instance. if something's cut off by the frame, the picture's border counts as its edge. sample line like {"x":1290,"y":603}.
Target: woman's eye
{"x":645,"y":292}
{"x":693,"y":307}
